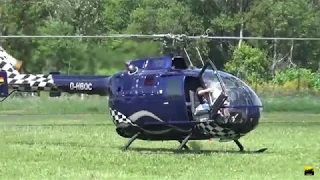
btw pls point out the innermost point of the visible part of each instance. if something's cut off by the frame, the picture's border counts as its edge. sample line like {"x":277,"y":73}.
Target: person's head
{"x":203,"y":94}
{"x":206,"y":95}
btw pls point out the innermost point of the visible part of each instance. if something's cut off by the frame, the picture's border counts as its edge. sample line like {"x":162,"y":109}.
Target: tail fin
{"x":9,"y":59}
{"x":4,"y":89}
{"x":24,"y":82}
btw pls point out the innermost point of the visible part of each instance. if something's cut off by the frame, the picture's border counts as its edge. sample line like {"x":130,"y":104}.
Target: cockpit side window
{"x":174,"y":86}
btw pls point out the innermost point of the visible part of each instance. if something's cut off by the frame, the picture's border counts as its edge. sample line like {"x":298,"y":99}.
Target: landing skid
{"x":183,"y":144}
{"x":241,"y":149}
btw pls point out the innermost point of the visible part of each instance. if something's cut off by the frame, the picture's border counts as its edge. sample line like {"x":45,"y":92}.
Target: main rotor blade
{"x":170,"y":36}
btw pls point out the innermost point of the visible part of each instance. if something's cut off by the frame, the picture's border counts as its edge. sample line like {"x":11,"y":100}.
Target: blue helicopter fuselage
{"x":155,"y":100}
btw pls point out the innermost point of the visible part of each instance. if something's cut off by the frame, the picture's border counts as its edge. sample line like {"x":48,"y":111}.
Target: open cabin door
{"x":206,"y":74}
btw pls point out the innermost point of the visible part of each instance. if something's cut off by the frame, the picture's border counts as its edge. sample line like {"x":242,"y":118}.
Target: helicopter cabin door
{"x":210,"y":78}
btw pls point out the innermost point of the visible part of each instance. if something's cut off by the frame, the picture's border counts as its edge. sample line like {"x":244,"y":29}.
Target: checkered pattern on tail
{"x":217,"y":131}
{"x":29,"y":82}
{"x":26,"y":82}
{"x":8,"y":57}
{"x":118,"y":117}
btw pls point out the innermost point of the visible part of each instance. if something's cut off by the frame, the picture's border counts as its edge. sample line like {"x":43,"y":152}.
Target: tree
{"x":249,"y":63}
{"x":296,"y":18}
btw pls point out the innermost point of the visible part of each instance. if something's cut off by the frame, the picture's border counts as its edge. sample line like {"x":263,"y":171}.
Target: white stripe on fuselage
{"x":143,"y":113}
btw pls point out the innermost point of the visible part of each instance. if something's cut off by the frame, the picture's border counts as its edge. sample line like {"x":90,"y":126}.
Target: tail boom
{"x":56,"y":83}
{"x":84,"y":84}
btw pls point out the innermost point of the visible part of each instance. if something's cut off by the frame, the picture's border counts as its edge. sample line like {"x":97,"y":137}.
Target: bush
{"x":62,"y":105}
{"x":298,"y":77}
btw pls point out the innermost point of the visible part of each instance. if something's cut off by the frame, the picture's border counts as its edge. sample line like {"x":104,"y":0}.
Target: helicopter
{"x":154,"y":98}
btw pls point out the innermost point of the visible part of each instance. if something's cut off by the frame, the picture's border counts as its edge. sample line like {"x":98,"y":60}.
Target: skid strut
{"x":184,"y":142}
{"x":134,"y":137}
{"x":239,"y":145}
{"x":185,"y":146}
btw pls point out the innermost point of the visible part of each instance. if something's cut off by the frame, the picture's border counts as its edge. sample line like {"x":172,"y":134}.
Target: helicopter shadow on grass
{"x":192,"y":151}
{"x":57,"y":143}
{"x":140,"y":149}
{"x":54,"y":125}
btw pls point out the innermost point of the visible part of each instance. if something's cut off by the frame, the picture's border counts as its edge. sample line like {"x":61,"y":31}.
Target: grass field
{"x":87,"y":147}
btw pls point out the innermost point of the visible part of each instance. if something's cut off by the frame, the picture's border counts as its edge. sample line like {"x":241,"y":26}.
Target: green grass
{"x":62,"y":105}
{"x":87,"y":147}
{"x":297,"y":103}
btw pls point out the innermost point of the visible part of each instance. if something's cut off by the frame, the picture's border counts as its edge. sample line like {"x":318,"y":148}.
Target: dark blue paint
{"x":99,"y":83}
{"x":140,"y":97}
{"x":159,"y":89}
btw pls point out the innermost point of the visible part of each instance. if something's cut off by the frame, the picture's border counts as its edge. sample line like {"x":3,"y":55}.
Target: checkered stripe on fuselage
{"x":32,"y":82}
{"x":27,"y":82}
{"x":209,"y":127}
{"x":118,"y":117}
{"x":217,"y":131}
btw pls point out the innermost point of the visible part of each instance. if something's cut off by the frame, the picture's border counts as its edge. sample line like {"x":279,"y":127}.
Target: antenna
{"x":200,"y":56}
{"x":185,"y":51}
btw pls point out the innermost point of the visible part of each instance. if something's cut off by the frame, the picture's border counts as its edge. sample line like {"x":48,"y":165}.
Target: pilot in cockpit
{"x":203,"y":95}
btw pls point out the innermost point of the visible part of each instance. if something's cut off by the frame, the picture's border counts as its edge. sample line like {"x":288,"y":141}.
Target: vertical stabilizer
{"x":24,"y":82}
{"x":8,"y":58}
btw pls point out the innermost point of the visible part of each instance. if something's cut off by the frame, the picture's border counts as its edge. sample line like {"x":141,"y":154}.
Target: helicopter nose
{"x":247,"y":107}
{"x":254,"y":109}
{"x":253,"y":112}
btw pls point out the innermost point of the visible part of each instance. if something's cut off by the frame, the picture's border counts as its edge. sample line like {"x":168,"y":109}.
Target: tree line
{"x":255,"y":60}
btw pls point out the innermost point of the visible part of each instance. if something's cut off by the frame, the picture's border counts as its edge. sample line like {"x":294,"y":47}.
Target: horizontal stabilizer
{"x":55,"y":93}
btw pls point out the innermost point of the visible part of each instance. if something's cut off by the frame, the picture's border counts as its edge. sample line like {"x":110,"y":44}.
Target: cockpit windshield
{"x":239,"y":94}
{"x":211,"y":81}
